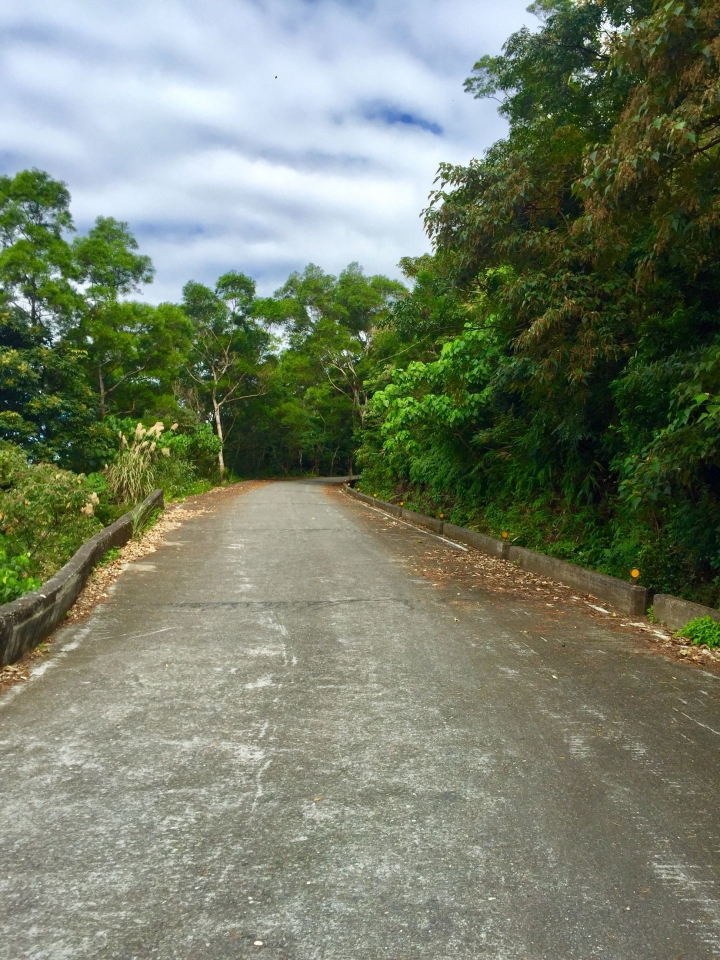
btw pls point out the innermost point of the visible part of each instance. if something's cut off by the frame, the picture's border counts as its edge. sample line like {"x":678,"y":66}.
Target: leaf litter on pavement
{"x":97,"y":589}
{"x":443,"y":565}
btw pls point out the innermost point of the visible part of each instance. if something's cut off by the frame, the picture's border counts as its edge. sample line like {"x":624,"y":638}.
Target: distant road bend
{"x":275,"y":739}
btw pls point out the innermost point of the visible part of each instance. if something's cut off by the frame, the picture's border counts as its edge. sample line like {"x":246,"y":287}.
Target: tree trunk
{"x":101,"y":387}
{"x":219,"y":432}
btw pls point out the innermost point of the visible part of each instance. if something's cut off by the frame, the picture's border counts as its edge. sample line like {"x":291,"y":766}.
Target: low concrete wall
{"x":359,"y":496}
{"x":675,"y":613}
{"x":431,"y":523}
{"x":26,"y":622}
{"x":396,"y":511}
{"x":391,"y":508}
{"x":489,"y":545}
{"x":629,"y":598}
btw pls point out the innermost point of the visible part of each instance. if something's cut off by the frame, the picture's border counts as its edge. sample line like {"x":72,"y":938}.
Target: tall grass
{"x":133,"y":474}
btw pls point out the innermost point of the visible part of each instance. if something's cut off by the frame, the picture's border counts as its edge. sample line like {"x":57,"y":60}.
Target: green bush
{"x":199,"y":447}
{"x":703,"y":631}
{"x":175,"y":476}
{"x":15,"y":580}
{"x":46,"y":513}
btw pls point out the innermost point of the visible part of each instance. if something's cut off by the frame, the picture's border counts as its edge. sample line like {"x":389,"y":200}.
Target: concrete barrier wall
{"x":26,"y":622}
{"x":360,"y":496}
{"x":628,"y":598}
{"x":675,"y":613}
{"x":431,"y":523}
{"x":391,"y":508}
{"x":489,"y":545}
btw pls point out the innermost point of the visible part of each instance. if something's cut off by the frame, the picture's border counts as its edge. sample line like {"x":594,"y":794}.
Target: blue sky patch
{"x":390,"y":114}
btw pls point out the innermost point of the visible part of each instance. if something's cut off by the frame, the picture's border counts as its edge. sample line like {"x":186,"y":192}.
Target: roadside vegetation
{"x":551,"y":369}
{"x":562,"y":374}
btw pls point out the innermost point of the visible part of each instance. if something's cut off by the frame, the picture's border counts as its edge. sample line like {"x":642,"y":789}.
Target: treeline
{"x":564,"y":374}
{"x":553,"y":369}
{"x":104,"y":396}
{"x":255,"y":385}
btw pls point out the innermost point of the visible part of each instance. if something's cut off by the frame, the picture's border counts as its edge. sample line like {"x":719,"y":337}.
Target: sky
{"x":254,"y":135}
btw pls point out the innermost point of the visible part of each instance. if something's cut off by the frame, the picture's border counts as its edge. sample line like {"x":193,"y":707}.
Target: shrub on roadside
{"x":154,"y":457}
{"x":15,"y":581}
{"x":199,"y":447}
{"x":702,"y":631}
{"x":175,"y":476}
{"x":46,"y":514}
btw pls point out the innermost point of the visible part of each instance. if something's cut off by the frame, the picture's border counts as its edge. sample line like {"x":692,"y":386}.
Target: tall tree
{"x":335,"y":322}
{"x":37,"y":265}
{"x":134,"y":351}
{"x":229,"y":347}
{"x":45,"y":402}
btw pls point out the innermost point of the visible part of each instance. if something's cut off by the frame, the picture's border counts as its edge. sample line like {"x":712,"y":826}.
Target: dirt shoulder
{"x":102,"y":578}
{"x":468,"y":568}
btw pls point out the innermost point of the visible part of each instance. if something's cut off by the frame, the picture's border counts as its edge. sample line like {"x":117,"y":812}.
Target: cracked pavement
{"x":276,"y":739}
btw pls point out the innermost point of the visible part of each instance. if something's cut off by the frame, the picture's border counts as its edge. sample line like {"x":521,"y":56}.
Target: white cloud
{"x":250,"y":134}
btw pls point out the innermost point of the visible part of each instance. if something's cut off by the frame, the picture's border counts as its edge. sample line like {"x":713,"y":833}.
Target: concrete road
{"x":274,"y":740}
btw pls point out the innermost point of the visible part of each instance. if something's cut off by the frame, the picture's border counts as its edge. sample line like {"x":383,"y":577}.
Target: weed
{"x":112,"y":554}
{"x":702,"y":631}
{"x":141,"y":524}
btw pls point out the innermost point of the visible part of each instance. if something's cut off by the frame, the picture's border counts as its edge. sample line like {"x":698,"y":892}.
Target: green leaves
{"x":108,"y":262}
{"x":584,"y":247}
{"x":46,"y":514}
{"x":15,"y":580}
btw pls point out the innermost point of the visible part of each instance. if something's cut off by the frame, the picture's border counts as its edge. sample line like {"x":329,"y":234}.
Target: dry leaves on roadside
{"x":96,"y":589}
{"x":443,"y":566}
{"x":102,"y":577}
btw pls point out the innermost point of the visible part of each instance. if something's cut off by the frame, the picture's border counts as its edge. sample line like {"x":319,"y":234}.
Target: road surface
{"x":276,"y":740}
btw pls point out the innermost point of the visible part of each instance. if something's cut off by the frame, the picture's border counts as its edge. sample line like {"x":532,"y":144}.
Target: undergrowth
{"x":702,"y":631}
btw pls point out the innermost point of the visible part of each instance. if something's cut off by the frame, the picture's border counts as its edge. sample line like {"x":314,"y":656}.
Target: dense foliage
{"x":565,"y":383}
{"x":46,"y":514}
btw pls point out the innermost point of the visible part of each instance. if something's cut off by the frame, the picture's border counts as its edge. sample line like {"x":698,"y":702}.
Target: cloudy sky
{"x":255,"y":135}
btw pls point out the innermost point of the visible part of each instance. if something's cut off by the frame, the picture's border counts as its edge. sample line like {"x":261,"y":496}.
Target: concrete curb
{"x":628,"y":598}
{"x":675,"y":613}
{"x":489,"y":545}
{"x":420,"y":520}
{"x":26,"y":622}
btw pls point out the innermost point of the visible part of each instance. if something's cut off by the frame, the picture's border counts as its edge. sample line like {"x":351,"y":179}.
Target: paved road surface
{"x":274,"y":732}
